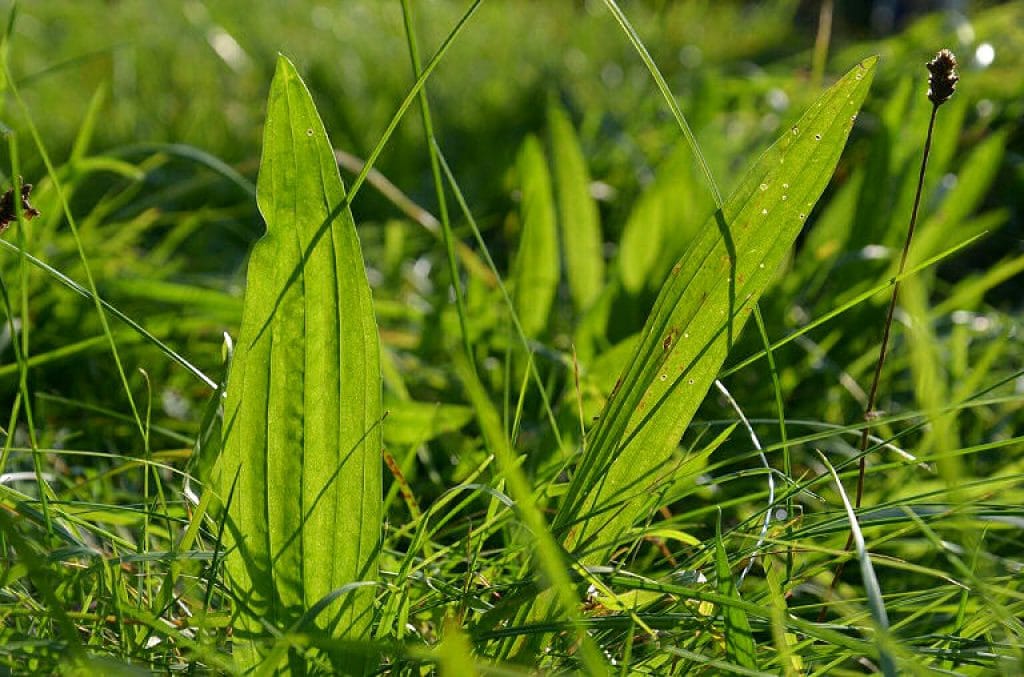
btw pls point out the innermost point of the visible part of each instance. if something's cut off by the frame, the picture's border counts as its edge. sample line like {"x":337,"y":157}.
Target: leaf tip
{"x":284,"y":66}
{"x":869,"y":63}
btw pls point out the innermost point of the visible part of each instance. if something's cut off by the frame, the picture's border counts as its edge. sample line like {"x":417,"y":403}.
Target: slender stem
{"x":435,"y":169}
{"x":821,"y":43}
{"x":869,"y":409}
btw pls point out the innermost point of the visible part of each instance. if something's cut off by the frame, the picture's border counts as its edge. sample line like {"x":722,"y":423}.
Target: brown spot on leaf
{"x":669,"y":338}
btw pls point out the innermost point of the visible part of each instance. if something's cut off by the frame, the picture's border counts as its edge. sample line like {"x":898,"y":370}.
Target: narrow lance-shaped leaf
{"x":577,"y":213}
{"x":303,"y":408}
{"x":739,"y":639}
{"x":701,"y":308}
{"x":642,"y":236}
{"x":536,"y":267}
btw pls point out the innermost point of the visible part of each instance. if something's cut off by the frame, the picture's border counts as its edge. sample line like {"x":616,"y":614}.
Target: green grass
{"x":586,"y":202}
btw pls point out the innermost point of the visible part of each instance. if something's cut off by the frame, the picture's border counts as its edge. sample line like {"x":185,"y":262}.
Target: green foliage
{"x":519,"y":241}
{"x":739,"y":638}
{"x":702,"y":306}
{"x":536,"y":270}
{"x":300,"y":469}
{"x":577,"y":214}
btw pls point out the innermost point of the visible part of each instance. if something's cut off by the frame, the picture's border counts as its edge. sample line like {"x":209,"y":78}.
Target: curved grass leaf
{"x":867,"y":571}
{"x":303,"y":406}
{"x":701,"y":308}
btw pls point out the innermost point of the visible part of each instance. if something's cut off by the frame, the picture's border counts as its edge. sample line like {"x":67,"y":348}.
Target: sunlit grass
{"x":113,"y":549}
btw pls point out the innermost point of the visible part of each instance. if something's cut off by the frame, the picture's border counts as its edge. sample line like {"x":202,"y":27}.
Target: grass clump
{"x":531,"y":432}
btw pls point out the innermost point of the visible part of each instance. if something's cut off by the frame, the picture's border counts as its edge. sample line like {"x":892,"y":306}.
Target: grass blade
{"x":301,"y":425}
{"x":867,"y":572}
{"x":739,"y":638}
{"x":535,"y":277}
{"x":577,"y":213}
{"x":550,"y":558}
{"x":711,"y":291}
{"x":666,"y":94}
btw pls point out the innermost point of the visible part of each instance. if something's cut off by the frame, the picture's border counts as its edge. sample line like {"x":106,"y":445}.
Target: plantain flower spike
{"x":943,"y":78}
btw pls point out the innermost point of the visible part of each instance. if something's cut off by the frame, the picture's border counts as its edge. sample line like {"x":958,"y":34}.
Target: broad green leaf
{"x":701,"y":308}
{"x":535,"y":276}
{"x":577,"y":213}
{"x":411,"y":422}
{"x":302,"y":433}
{"x":739,"y":639}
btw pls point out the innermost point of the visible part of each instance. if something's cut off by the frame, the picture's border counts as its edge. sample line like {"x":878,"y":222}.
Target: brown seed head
{"x":7,"y":208}
{"x":943,"y":78}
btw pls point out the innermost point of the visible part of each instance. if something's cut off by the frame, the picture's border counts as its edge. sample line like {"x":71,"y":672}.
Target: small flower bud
{"x":943,"y":78}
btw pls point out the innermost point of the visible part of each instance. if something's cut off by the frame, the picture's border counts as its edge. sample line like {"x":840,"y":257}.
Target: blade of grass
{"x":787,"y":465}
{"x":578,"y":219}
{"x":535,"y":273}
{"x":771,"y":479}
{"x":506,"y":297}
{"x":417,"y":213}
{"x":83,"y":291}
{"x":435,"y":171}
{"x":551,"y":560}
{"x":867,"y":572}
{"x":410,"y":97}
{"x":739,"y":639}
{"x":20,"y":339}
{"x":746,"y":362}
{"x":790,"y":661}
{"x":91,"y":282}
{"x":667,"y":95}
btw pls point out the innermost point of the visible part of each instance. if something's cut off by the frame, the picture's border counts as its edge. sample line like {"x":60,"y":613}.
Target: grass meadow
{"x":503,"y":337}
